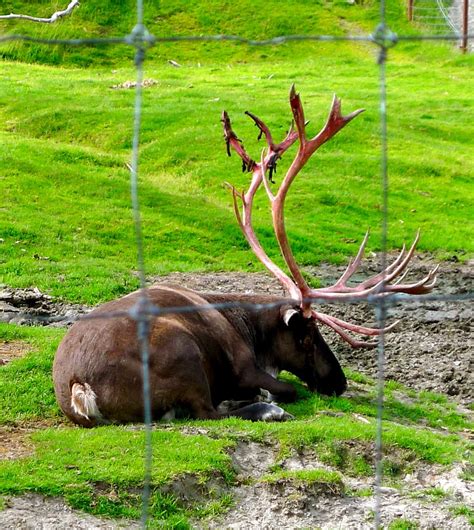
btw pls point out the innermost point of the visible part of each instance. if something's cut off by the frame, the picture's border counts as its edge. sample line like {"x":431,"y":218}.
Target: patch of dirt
{"x":10,"y":350}
{"x":14,"y":439}
{"x":132,"y":84}
{"x":252,"y":460}
{"x":33,"y":512}
{"x":14,"y":443}
{"x":295,"y":504}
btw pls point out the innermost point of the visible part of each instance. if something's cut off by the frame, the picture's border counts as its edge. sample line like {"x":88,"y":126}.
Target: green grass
{"x":66,"y":222}
{"x":327,"y":481}
{"x":253,"y":19}
{"x":466,"y":511}
{"x":26,"y":388}
{"x":101,"y":470}
{"x":403,"y":524}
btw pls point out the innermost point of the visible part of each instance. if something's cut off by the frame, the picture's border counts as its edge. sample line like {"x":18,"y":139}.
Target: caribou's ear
{"x":291,"y":315}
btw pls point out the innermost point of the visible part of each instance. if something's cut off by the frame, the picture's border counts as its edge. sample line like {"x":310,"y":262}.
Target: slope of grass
{"x":252,"y":19}
{"x":67,"y":223}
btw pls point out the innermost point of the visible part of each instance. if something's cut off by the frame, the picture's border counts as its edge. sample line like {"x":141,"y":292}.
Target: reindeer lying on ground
{"x":200,"y":358}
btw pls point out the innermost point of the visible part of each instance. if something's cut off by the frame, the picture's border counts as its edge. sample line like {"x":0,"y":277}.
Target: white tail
{"x":83,"y":401}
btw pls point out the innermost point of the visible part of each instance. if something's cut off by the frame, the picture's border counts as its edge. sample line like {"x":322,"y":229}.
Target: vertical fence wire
{"x":381,"y":310}
{"x":143,"y":312}
{"x":380,"y":306}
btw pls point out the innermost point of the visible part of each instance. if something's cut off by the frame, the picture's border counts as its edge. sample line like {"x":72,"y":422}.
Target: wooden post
{"x":465,"y":26}
{"x":410,"y":10}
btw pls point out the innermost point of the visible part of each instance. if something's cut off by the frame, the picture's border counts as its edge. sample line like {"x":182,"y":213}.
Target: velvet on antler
{"x":386,"y":282}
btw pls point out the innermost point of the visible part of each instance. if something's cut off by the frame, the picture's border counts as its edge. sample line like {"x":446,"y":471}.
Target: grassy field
{"x":66,"y":221}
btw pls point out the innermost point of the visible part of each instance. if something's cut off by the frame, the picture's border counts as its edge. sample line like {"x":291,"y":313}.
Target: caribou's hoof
{"x":275,"y":413}
{"x":263,"y":412}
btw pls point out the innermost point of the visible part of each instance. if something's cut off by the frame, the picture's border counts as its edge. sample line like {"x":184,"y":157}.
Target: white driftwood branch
{"x":50,"y":20}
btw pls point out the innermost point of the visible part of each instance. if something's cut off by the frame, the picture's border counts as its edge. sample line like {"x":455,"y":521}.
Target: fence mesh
{"x":436,"y":15}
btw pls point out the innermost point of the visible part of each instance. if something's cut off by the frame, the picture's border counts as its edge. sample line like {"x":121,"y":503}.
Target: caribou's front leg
{"x":252,"y":380}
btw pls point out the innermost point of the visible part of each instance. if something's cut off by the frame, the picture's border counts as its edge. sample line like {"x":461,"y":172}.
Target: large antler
{"x":297,"y":286}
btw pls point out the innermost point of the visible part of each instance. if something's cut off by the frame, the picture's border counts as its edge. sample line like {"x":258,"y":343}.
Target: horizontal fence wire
{"x":153,"y":310}
{"x":151,"y":40}
{"x":144,"y":310}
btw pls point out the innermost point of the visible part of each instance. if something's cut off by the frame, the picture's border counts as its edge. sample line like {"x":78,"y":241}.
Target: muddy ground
{"x":430,"y":349}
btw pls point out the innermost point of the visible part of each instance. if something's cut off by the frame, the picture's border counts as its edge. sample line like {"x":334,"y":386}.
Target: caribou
{"x":209,"y":350}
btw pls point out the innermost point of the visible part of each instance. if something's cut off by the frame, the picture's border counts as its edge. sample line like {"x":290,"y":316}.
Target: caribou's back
{"x":194,"y":358}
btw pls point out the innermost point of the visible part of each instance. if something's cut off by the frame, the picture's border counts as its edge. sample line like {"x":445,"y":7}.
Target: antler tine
{"x":236,"y":194}
{"x":355,"y":343}
{"x":420,"y":287}
{"x":233,"y":141}
{"x":262,"y":127}
{"x":298,"y":115}
{"x":394,"y":270}
{"x":341,"y":284}
{"x":335,"y":122}
{"x":353,"y":265}
{"x":361,"y":330}
{"x":339,"y":325}
{"x":290,"y":139}
{"x":264,"y":177}
{"x":402,"y":277}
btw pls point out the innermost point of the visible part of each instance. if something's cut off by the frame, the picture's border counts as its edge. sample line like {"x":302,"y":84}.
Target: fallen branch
{"x":50,"y":20}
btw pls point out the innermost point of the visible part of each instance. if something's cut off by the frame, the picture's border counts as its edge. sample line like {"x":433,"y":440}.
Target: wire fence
{"x":441,"y":16}
{"x":141,"y":40}
{"x":434,"y":15}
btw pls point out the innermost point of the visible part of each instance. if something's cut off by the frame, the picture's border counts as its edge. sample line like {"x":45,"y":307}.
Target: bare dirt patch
{"x":295,"y":504}
{"x":15,"y":440}
{"x":31,"y":512}
{"x":14,"y":443}
{"x":10,"y":350}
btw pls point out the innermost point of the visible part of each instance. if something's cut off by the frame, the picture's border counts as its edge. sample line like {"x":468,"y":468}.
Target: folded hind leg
{"x":181,"y":380}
